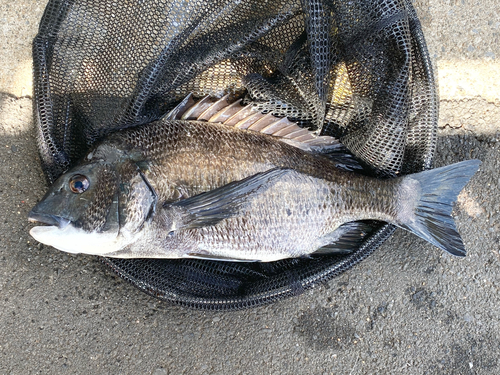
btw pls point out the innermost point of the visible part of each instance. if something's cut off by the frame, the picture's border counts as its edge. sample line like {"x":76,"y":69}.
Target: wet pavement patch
{"x":322,"y":330}
{"x":422,"y":298}
{"x":470,"y":356}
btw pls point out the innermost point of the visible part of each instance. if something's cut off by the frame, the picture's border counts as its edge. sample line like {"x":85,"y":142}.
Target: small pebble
{"x":160,"y":371}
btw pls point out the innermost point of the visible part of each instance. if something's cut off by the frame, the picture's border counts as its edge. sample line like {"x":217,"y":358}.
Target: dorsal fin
{"x":225,"y":113}
{"x":234,"y":114}
{"x":194,"y":112}
{"x":180,"y":109}
{"x":214,"y":109}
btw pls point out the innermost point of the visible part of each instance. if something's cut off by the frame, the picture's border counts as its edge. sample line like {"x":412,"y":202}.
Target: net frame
{"x":359,"y":71}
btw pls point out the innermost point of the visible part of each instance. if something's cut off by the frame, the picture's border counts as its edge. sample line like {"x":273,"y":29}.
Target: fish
{"x":214,"y":179}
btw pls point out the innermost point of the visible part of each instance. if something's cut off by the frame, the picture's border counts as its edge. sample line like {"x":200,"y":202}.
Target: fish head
{"x":95,"y":208}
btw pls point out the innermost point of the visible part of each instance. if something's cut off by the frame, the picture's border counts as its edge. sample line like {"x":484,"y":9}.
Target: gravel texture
{"x":407,"y":309}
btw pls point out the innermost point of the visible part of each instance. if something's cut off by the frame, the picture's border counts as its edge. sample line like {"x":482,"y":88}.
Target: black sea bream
{"x":239,"y":185}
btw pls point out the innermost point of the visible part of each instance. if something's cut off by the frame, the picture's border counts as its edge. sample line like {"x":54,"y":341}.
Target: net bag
{"x":356,"y":70}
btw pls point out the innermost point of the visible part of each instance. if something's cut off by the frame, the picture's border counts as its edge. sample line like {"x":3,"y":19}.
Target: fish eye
{"x":79,"y":183}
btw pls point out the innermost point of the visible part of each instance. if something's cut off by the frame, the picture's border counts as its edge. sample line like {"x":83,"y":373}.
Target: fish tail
{"x":439,"y":189}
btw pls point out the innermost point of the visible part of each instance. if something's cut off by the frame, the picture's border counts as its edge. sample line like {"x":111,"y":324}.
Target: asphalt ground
{"x":408,"y":309}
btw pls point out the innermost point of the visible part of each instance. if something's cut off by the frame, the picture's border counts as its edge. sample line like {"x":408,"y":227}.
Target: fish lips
{"x":62,"y":234}
{"x":53,"y":220}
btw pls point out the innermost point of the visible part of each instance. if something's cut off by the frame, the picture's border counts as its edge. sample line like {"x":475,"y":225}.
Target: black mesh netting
{"x":358,"y":70}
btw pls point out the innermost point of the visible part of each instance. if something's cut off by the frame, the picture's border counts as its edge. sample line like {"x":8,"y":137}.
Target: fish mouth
{"x":61,"y":233}
{"x":48,"y":219}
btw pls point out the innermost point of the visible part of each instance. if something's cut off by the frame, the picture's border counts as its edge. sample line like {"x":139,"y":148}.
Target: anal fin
{"x":345,"y":239}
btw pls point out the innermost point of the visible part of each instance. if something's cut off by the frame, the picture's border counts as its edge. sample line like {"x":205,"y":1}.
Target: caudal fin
{"x":439,"y":190}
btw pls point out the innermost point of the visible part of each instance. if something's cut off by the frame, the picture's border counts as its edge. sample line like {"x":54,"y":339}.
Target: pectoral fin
{"x":211,"y":207}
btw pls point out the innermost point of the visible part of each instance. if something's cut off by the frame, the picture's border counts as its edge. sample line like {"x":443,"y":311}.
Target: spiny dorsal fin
{"x":181,"y":108}
{"x":234,"y":114}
